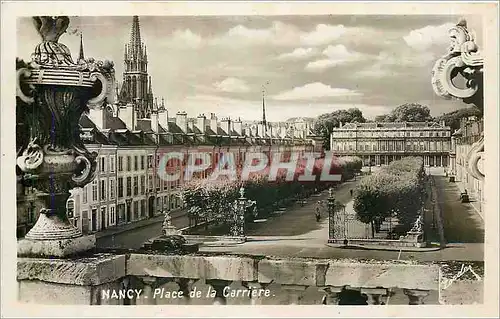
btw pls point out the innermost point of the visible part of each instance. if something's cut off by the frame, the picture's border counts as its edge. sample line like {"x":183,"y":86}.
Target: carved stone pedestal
{"x":58,"y":248}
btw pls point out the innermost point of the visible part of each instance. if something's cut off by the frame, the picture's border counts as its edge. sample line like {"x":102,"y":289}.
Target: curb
{"x":403,"y":249}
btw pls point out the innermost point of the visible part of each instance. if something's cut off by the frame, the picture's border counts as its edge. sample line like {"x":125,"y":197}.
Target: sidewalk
{"x":138,"y":224}
{"x":474,"y":199}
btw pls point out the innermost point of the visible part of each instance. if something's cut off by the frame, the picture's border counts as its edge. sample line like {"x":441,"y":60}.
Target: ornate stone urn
{"x":54,"y":91}
{"x":463,"y":58}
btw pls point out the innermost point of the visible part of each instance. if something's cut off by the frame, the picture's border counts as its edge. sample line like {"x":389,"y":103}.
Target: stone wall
{"x":288,"y":281}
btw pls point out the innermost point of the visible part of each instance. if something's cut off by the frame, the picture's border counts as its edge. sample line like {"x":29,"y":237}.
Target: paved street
{"x":462,"y":224}
{"x":295,"y":232}
{"x":134,"y":238}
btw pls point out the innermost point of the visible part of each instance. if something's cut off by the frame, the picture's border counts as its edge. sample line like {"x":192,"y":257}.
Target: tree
{"x":452,"y":119}
{"x":397,"y":188}
{"x":408,"y":112}
{"x":326,"y":122}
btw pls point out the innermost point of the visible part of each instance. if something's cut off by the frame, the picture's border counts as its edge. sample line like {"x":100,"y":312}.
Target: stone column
{"x":415,"y":296}
{"x":53,"y":158}
{"x":185,"y":285}
{"x":146,"y":297}
{"x":252,"y":286}
{"x":374,"y":295}
{"x":218,"y":287}
{"x":332,"y":295}
{"x":296,"y":292}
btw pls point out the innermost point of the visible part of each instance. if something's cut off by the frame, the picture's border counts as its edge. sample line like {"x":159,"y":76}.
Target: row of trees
{"x":208,"y":200}
{"x":409,"y":112}
{"x":397,"y":189}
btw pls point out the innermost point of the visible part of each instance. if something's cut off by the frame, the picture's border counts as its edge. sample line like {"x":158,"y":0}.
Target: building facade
{"x":463,"y":142}
{"x":381,"y":143}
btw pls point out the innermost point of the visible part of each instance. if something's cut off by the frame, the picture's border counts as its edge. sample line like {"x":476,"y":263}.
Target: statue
{"x":167,"y":228}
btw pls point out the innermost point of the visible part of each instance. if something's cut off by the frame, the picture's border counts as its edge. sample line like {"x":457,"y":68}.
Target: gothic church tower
{"x":136,"y":87}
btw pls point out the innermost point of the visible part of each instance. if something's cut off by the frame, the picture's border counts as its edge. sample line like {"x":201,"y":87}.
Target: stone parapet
{"x":83,"y":280}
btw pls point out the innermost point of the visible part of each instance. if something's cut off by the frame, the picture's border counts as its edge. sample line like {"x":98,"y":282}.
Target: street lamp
{"x":331,"y":213}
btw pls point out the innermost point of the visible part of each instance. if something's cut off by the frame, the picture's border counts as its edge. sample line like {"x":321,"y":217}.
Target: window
{"x":94,"y":191}
{"x":136,"y":163}
{"x":142,"y":162}
{"x":103,"y":217}
{"x":129,"y":163}
{"x":143,"y":208}
{"x":129,"y":186}
{"x":112,"y":164}
{"x":120,"y":163}
{"x":407,"y":133}
{"x":143,"y":184}
{"x":136,"y":185}
{"x":103,"y":189}
{"x":150,"y":161}
{"x":150,"y":182}
{"x":120,"y":187}
{"x":112,"y":216}
{"x":102,"y":164}
{"x":85,"y":194}
{"x":111,"y":189}
{"x":443,"y":134}
{"x":157,"y":184}
{"x":165,"y":185}
{"x":94,"y":219}
{"x":421,"y":134}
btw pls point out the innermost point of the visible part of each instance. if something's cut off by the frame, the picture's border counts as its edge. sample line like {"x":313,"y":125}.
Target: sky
{"x":308,"y":65}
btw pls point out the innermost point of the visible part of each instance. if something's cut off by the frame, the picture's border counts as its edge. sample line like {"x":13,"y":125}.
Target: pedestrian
{"x":351,"y":191}
{"x":318,"y":214}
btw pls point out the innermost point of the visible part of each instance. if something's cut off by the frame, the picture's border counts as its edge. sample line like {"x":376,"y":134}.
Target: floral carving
{"x":464,"y":58}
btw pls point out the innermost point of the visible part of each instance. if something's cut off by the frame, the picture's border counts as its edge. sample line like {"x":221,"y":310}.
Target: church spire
{"x":135,"y":37}
{"x":81,"y":56}
{"x":264,"y":122}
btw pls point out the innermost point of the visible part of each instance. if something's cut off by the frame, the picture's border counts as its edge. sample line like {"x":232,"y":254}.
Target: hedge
{"x":397,"y":188}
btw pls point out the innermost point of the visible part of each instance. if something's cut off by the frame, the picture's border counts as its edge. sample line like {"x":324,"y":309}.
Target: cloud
{"x":337,"y":54}
{"x":322,"y":34}
{"x":280,"y":33}
{"x":233,"y":85}
{"x":186,"y":38}
{"x":298,"y":53}
{"x":424,"y":38}
{"x":314,"y":91}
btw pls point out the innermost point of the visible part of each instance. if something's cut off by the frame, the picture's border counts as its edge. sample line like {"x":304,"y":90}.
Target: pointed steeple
{"x":150,"y":90}
{"x":135,"y":38}
{"x":264,"y":122}
{"x":81,"y":56}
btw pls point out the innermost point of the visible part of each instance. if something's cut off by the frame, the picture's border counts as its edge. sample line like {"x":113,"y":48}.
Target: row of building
{"x":130,"y":137}
{"x":381,"y":143}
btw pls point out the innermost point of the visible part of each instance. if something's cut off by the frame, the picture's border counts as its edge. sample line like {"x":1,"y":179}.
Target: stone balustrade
{"x":138,"y":279}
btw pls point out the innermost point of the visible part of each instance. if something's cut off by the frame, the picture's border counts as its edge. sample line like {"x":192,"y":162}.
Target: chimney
{"x":213,"y":122}
{"x":201,"y":123}
{"x":98,"y":117}
{"x":154,"y":122}
{"x":190,"y":124}
{"x":128,"y":116}
{"x":181,"y":121}
{"x":237,"y":126}
{"x":340,"y":124}
{"x":226,"y":125}
{"x":443,"y":123}
{"x":163,"y":118}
